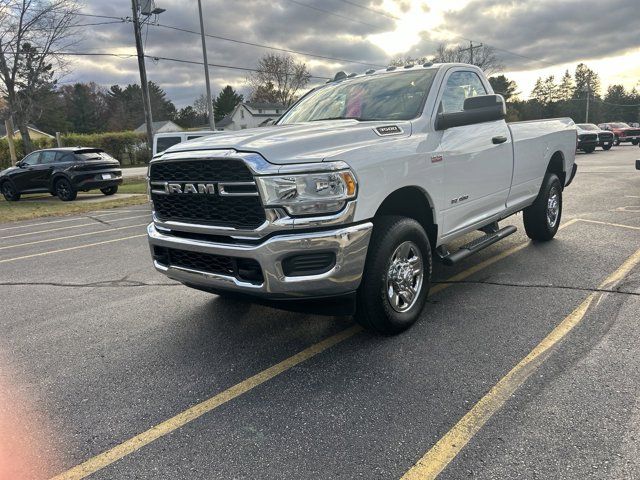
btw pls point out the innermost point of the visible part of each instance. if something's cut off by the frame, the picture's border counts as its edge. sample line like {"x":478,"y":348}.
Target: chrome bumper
{"x":348,"y":243}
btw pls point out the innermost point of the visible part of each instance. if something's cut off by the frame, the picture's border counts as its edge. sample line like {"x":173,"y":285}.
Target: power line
{"x":155,"y":58}
{"x":253,"y":44}
{"x":270,"y":47}
{"x":329,"y":12}
{"x":99,"y":16}
{"x":364,"y":7}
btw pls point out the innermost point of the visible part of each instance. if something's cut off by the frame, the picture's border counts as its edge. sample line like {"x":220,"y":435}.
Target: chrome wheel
{"x":553,"y":207}
{"x":405,"y":276}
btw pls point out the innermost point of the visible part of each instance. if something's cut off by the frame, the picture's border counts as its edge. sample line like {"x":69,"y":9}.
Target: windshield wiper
{"x":335,"y":118}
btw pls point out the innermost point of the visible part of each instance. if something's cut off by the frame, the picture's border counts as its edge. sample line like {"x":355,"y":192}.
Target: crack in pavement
{"x":99,"y":220}
{"x":538,"y":285}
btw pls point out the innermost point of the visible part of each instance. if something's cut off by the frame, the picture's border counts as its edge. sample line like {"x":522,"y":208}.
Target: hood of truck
{"x":300,"y":143}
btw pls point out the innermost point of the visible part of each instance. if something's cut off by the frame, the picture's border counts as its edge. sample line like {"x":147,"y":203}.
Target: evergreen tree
{"x":567,"y":87}
{"x":505,"y":87}
{"x":226,"y":101}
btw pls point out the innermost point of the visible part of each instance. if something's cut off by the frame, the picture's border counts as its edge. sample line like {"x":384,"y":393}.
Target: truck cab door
{"x":477,"y":158}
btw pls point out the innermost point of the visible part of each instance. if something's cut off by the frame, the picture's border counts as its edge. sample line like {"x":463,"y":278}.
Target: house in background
{"x":251,"y":115}
{"x":160,"y":127}
{"x":34,"y":133}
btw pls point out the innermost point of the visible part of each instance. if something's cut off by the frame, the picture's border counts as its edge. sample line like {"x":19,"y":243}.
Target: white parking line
{"x":83,"y":217}
{"x":106,"y":230}
{"x":92,"y":224}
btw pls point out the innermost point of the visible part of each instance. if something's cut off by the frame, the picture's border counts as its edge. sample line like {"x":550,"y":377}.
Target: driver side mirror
{"x":480,"y":109}
{"x":20,"y":164}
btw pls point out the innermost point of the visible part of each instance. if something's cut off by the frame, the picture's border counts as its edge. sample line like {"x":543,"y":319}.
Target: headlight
{"x":309,"y":193}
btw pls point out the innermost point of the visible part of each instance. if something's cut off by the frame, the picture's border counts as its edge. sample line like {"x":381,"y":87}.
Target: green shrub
{"x":128,"y":147}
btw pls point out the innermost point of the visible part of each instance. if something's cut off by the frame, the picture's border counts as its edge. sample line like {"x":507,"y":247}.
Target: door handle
{"x":499,"y":139}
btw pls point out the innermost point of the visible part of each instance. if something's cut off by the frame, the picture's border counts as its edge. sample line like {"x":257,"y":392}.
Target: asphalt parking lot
{"x":117,"y":372}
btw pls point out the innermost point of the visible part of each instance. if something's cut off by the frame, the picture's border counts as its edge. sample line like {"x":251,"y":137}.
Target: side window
{"x":31,"y":159}
{"x":460,"y":86}
{"x":48,"y":157}
{"x":162,"y":143}
{"x":64,"y":157}
{"x":192,"y":137}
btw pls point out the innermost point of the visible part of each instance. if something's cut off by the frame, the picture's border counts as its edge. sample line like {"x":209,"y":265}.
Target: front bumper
{"x":349,"y":244}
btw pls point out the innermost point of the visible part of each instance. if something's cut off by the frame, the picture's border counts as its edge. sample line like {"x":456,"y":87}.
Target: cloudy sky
{"x":532,"y":37}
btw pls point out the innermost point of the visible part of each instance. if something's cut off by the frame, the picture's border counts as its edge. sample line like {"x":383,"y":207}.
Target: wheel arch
{"x":412,"y":202}
{"x":556,"y":165}
{"x":55,"y":177}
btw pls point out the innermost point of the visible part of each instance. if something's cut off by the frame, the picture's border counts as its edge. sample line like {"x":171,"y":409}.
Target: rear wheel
{"x":616,"y":141}
{"x":109,"y":190}
{"x":10,"y":192}
{"x":542,"y":219}
{"x":65,"y":191}
{"x":607,"y":146}
{"x":397,"y":275}
{"x":634,"y":142}
{"x":588,"y":149}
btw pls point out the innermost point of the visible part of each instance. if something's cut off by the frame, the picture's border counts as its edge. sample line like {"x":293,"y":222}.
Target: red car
{"x":623,"y":132}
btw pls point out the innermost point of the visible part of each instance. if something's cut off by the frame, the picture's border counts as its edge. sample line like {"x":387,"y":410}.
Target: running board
{"x":475,"y":246}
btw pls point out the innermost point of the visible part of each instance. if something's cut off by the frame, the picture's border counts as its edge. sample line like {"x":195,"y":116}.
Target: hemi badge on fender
{"x":388,"y":130}
{"x":436,"y":158}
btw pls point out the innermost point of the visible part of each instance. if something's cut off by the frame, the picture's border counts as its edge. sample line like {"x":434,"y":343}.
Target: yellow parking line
{"x":92,"y":224}
{"x":108,"y":457}
{"x":609,"y":224}
{"x":6,"y":260}
{"x":447,"y":448}
{"x":107,"y":230}
{"x":83,"y":217}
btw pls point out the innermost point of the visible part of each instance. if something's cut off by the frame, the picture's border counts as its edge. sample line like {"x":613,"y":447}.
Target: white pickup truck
{"x":357,"y":188}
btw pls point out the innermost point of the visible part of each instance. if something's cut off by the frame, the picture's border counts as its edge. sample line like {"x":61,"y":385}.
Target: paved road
{"x":134,"y":172}
{"x":100,"y":352}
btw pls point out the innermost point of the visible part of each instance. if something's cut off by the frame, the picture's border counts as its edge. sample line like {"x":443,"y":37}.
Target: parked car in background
{"x":587,"y":139}
{"x":62,"y":172}
{"x":162,"y":141}
{"x":622,"y":132}
{"x":605,"y":138}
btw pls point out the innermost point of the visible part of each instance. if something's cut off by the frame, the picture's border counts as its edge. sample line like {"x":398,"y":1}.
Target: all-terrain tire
{"x":542,"y":218}
{"x":64,"y":190}
{"x":398,"y":248}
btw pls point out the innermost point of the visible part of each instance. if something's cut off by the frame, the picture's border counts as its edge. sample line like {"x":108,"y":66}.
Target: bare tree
{"x":484,"y":57}
{"x":33,"y":33}
{"x":286,"y":75}
{"x":401,"y":61}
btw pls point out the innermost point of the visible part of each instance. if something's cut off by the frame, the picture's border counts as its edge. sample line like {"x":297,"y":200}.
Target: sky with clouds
{"x":532,"y":38}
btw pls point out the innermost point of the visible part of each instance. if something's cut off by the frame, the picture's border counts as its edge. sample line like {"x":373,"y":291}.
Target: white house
{"x":160,"y":127}
{"x":251,"y":115}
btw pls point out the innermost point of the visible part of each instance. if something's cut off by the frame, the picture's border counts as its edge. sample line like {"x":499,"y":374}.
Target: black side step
{"x":476,"y":245}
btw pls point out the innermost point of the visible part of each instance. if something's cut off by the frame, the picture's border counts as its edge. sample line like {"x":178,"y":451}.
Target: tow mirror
{"x":480,"y":109}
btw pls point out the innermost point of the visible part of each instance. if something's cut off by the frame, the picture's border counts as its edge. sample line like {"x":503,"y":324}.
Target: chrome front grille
{"x":216,"y":192}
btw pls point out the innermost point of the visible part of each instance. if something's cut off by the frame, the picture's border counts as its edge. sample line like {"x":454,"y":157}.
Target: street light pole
{"x":588,"y":97}
{"x":146,"y":99}
{"x":212,"y":123}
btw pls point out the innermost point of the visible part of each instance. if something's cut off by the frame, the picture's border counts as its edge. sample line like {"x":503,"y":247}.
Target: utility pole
{"x":470,"y":49}
{"x":146,"y":99}
{"x":212,"y":123}
{"x":586,"y":120}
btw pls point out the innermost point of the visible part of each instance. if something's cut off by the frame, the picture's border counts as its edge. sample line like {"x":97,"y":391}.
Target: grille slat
{"x":246,"y":213}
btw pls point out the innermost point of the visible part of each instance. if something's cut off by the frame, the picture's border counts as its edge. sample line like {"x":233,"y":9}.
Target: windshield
{"x":620,"y":125}
{"x":587,"y":126}
{"x":390,"y":96}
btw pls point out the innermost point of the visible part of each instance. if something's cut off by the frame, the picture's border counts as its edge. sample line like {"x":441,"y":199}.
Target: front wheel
{"x":589,"y":149}
{"x":607,"y":146}
{"x":616,"y":141}
{"x":634,"y":142}
{"x":10,"y":192}
{"x":109,"y":190}
{"x":65,"y":191}
{"x":542,"y":218}
{"x":397,"y":276}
